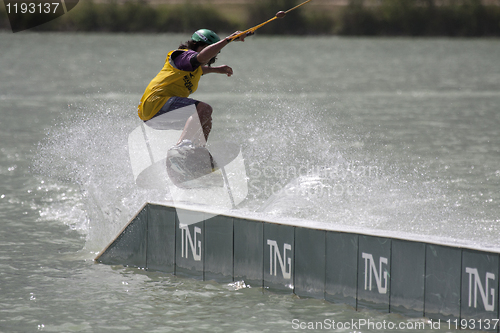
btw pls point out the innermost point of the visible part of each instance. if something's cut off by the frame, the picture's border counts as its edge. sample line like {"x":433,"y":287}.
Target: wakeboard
{"x":186,"y":163}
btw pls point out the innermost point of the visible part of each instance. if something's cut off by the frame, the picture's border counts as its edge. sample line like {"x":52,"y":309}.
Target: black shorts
{"x":173,"y":114}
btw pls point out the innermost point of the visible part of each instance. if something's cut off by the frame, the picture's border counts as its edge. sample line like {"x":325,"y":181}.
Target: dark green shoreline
{"x":462,"y":18}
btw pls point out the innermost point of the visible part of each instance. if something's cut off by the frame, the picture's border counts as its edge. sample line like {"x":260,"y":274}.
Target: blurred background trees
{"x":341,"y":17}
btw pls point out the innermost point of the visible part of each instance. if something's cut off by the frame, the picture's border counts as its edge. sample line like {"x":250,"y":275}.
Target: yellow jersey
{"x":169,"y":82}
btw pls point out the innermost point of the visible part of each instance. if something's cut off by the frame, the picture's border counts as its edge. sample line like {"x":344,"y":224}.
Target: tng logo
{"x":275,"y":258}
{"x":476,"y":285}
{"x":371,"y":271}
{"x":190,"y":242}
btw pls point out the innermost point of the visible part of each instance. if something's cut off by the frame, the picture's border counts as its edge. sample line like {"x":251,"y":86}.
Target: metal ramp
{"x":414,"y":278}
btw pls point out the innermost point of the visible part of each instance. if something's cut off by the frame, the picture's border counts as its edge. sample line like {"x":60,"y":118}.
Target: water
{"x":393,"y":135}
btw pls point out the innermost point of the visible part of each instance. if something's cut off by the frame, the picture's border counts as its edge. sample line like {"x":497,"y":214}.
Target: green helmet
{"x":205,"y":36}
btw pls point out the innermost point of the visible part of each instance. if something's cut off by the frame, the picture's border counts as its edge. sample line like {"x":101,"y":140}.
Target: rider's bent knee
{"x":204,"y":110}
